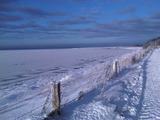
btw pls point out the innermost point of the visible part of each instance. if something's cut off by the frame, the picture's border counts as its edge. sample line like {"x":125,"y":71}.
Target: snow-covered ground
{"x":133,"y":95}
{"x":151,"y":97}
{"x":22,"y":65}
{"x":25,"y":75}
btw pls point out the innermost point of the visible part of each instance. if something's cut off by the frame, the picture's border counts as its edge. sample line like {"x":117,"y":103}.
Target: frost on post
{"x":115,"y":68}
{"x":55,"y":99}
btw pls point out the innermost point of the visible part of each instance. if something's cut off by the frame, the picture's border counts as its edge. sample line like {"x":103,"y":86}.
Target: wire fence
{"x":21,"y":101}
{"x":88,"y":80}
{"x":79,"y":83}
{"x":17,"y":110}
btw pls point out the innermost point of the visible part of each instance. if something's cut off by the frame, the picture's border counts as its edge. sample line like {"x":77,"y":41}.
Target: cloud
{"x":87,"y":17}
{"x":32,"y":11}
{"x":58,"y":13}
{"x":5,"y":8}
{"x":116,"y":1}
{"x":155,"y":15}
{"x":78,"y":0}
{"x":7,"y":1}
{"x":7,"y":17}
{"x":130,"y":9}
{"x":72,"y":22}
{"x":127,"y":27}
{"x":147,"y":3}
{"x":13,"y":27}
{"x":130,"y":28}
{"x":80,"y":20}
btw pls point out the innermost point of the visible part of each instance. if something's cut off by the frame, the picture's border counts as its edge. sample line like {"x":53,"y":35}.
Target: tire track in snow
{"x":134,"y":81}
{"x":144,"y":67}
{"x":150,"y":105}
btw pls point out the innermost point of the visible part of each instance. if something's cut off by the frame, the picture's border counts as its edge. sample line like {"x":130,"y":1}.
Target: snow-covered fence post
{"x":55,"y":99}
{"x":115,"y":68}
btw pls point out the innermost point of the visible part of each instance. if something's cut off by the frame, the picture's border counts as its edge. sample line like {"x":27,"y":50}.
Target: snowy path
{"x":122,"y":98}
{"x":133,"y":95}
{"x":151,"y":102}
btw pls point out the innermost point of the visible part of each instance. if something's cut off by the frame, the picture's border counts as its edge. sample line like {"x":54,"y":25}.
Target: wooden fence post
{"x":55,"y":99}
{"x":115,"y":67}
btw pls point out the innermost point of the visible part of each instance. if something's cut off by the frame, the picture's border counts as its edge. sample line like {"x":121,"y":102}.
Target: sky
{"x":57,"y":23}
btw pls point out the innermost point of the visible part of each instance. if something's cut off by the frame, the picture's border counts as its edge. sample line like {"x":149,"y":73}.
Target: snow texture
{"x":151,"y":98}
{"x":89,"y":78}
{"x":133,"y":95}
{"x":26,"y":75}
{"x":120,"y":101}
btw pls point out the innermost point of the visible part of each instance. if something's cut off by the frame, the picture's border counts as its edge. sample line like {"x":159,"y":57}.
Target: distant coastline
{"x":64,"y":46}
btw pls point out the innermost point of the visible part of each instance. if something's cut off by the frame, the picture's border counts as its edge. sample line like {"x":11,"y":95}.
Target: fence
{"x":14,"y":110}
{"x":74,"y":86}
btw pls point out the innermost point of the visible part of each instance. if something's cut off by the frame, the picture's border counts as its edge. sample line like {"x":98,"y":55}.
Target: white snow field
{"x":133,"y":95}
{"x":26,"y":75}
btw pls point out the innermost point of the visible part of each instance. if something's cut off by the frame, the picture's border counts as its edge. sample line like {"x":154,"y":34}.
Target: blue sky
{"x":42,"y":23}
